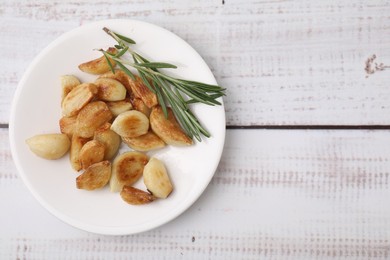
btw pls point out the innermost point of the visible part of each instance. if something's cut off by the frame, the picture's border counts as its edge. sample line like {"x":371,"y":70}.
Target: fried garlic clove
{"x":156,"y":178}
{"x":68,"y":82}
{"x":136,"y":196}
{"x":92,"y":152}
{"x":140,"y":90}
{"x":77,"y":98}
{"x":68,"y":125}
{"x":168,"y":129}
{"x":99,"y":65}
{"x":122,"y":77}
{"x":110,"y":89}
{"x":140,"y":106}
{"x":109,"y":138}
{"x":127,"y":168}
{"x":146,"y":142}
{"x":77,"y":143}
{"x":91,"y":117}
{"x":130,"y":124}
{"x":49,"y":146}
{"x":118,"y":107}
{"x":95,"y":176}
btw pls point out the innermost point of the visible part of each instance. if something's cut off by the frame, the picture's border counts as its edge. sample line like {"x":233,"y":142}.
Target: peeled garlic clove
{"x":168,"y":129}
{"x":99,"y":65}
{"x":127,"y":168}
{"x":156,"y":178}
{"x":140,"y":90}
{"x":67,"y":125}
{"x":120,"y":76}
{"x":96,"y":176}
{"x":146,"y":142}
{"x":110,"y":89}
{"x":92,"y":152}
{"x":68,"y":82}
{"x":76,"y":99}
{"x":115,"y":185}
{"x":49,"y":146}
{"x":91,"y":117}
{"x":136,"y":196}
{"x":140,"y":106}
{"x":118,"y":107}
{"x":130,"y":124}
{"x":75,"y":148}
{"x":109,"y":138}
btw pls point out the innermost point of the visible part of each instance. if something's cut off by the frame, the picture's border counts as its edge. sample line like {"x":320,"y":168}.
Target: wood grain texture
{"x":283,"y":62}
{"x":276,"y":195}
{"x":8,"y":170}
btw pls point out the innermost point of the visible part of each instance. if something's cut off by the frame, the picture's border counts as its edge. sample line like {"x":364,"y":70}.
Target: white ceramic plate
{"x":36,"y":110}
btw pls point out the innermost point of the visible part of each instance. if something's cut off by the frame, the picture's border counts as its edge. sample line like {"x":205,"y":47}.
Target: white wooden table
{"x":305,"y":172}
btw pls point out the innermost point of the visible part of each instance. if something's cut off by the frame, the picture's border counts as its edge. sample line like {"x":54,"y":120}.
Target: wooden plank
{"x":283,"y":62}
{"x":276,"y":195}
{"x":8,"y":170}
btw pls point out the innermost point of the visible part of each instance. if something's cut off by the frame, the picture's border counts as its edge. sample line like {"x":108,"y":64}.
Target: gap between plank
{"x":311,"y":127}
{"x":297,"y":127}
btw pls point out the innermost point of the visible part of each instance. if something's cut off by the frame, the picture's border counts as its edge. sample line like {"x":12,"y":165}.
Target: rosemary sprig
{"x":170,"y":91}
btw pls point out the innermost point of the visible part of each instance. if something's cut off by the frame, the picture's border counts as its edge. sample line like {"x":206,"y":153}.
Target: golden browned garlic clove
{"x":156,"y":178}
{"x":109,"y":138}
{"x":136,"y":196}
{"x":92,"y":152}
{"x":96,"y":176}
{"x":123,"y":78}
{"x":67,"y":125}
{"x":118,"y":107}
{"x":168,"y":129}
{"x":140,"y":106}
{"x":68,"y":82}
{"x":127,"y":168}
{"x":99,"y":65}
{"x":110,"y":89}
{"x":76,"y":99}
{"x":146,"y":142}
{"x":140,"y":90}
{"x":130,"y":124}
{"x":49,"y":146}
{"x":75,"y":148}
{"x":91,"y":117}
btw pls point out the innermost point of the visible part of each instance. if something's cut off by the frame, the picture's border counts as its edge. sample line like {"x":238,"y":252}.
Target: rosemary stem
{"x":170,"y":91}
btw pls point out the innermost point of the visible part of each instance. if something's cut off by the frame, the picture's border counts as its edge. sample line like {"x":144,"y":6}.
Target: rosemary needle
{"x":170,"y":91}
